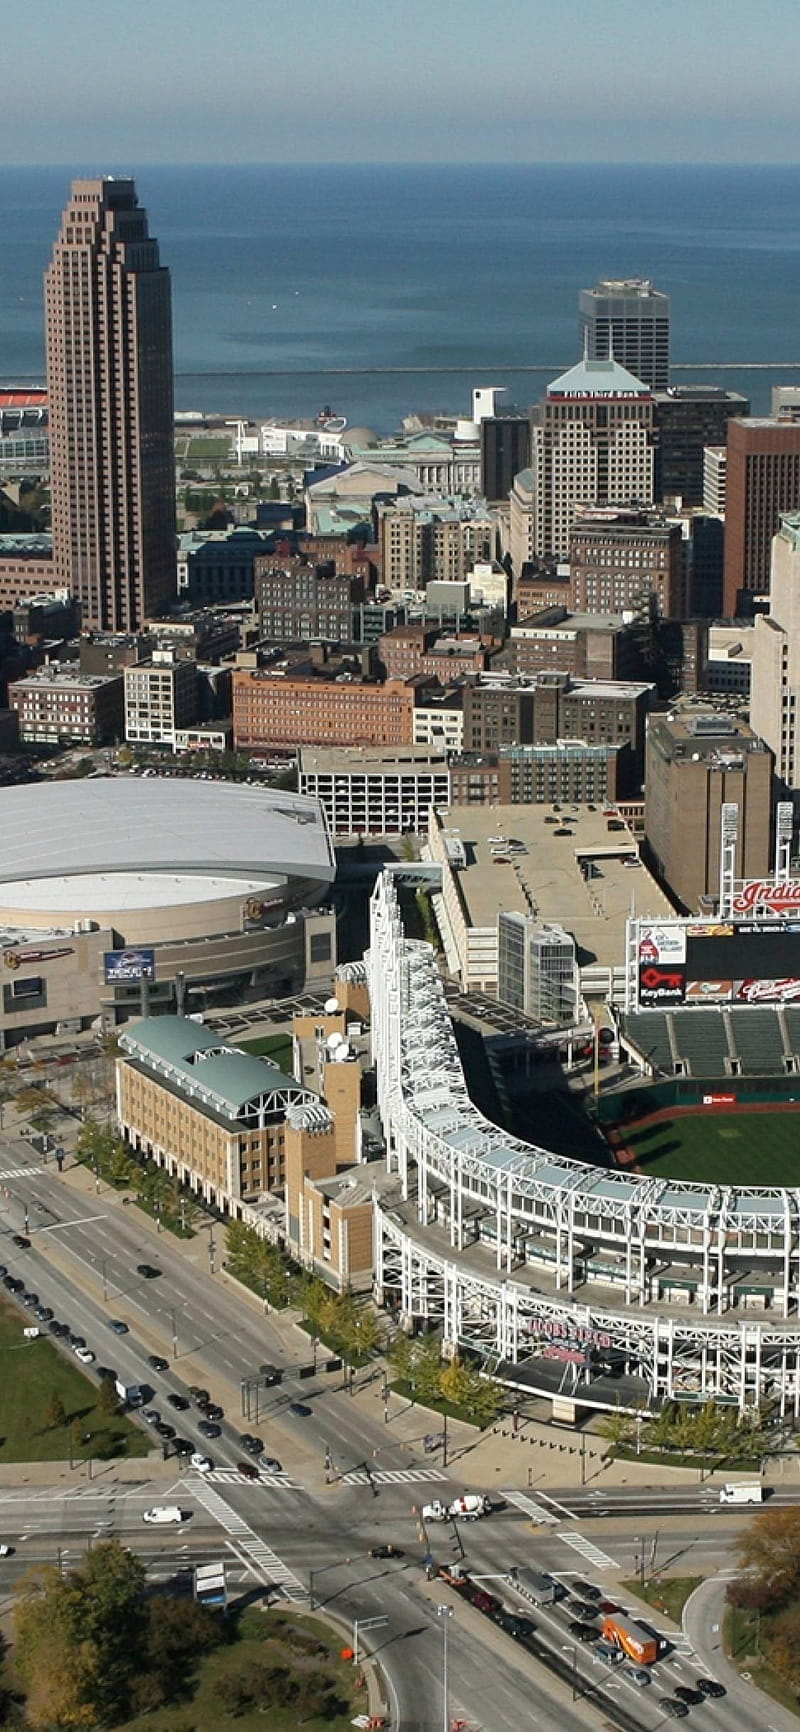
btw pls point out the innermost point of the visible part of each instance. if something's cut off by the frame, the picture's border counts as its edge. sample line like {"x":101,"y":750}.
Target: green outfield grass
{"x":721,"y":1148}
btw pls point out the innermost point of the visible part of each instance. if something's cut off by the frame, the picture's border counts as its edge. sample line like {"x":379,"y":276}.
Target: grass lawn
{"x":742,"y":1641}
{"x":669,"y":1595}
{"x":31,"y":1372}
{"x":277,"y":1638}
{"x":721,"y":1148}
{"x":276,"y":1047}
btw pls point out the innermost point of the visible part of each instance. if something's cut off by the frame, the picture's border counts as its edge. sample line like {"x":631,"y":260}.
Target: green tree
{"x":79,"y":1640}
{"x":55,"y":1413}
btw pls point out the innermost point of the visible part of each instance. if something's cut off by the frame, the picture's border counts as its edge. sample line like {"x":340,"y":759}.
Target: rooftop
{"x":194,"y":1060}
{"x":349,"y":760}
{"x":598,"y":379}
{"x":68,"y":674}
{"x":548,"y":864}
{"x":124,"y":825}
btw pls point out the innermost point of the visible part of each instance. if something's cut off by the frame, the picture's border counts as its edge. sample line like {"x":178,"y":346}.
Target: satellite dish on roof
{"x":342,"y":1053}
{"x":331,"y":1005}
{"x":333,"y":1041}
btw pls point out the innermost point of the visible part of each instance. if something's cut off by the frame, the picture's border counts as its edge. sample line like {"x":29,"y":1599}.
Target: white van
{"x":163,"y":1513}
{"x":741,"y":1494}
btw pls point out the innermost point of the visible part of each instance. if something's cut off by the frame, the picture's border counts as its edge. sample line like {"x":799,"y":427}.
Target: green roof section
{"x":598,"y":379}
{"x":196,"y":1061}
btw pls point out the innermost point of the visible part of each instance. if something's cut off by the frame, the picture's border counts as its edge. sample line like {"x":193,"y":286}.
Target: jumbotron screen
{"x":735,"y":962}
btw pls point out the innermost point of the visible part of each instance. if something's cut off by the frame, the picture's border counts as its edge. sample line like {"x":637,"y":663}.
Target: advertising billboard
{"x":122,"y":967}
{"x":744,"y":961}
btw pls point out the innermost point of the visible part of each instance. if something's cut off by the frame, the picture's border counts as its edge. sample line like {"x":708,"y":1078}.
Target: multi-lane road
{"x":311,"y":1527}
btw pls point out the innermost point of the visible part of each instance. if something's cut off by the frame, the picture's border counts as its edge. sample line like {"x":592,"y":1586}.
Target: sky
{"x":190,"y":81}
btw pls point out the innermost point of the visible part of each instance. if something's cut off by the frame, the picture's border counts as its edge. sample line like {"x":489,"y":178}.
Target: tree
{"x":770,"y":1547}
{"x":55,"y":1413}
{"x":107,"y":1400}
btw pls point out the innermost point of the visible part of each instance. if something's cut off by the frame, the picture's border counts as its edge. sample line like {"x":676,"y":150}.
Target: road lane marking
{"x":263,"y":1561}
{"x":588,"y":1550}
{"x":391,"y":1476}
{"x":529,"y":1507}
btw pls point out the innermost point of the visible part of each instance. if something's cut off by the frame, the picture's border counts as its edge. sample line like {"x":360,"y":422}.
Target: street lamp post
{"x":445,"y":1613}
{"x":174,"y":1316}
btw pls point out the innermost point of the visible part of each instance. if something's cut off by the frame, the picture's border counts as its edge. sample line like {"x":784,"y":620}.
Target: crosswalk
{"x":588,"y":1550}
{"x":529,"y":1507}
{"x":274,"y":1481}
{"x":392,"y":1476}
{"x":247,"y":1545}
{"x":16,"y":1173}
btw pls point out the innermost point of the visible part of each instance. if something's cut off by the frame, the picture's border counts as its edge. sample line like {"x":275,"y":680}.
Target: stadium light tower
{"x":729,"y":837}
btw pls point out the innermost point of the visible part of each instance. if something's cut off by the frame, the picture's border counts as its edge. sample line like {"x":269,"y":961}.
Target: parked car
{"x":253,"y":1445}
{"x":198,"y":1395}
{"x":214,"y":1411}
{"x":208,"y":1429}
{"x":84,"y":1354}
{"x":182,"y":1446}
{"x":269,"y":1464}
{"x":44,"y":1313}
{"x":685,"y":1693}
{"x":163,"y":1429}
{"x":151,"y":1416}
{"x":673,"y":1706}
{"x":31,"y":1300}
{"x":202,"y":1463}
{"x":247,"y":1470}
{"x":179,"y":1402}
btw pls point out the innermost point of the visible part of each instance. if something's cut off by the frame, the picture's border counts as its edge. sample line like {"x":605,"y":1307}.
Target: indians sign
{"x":759,"y":895}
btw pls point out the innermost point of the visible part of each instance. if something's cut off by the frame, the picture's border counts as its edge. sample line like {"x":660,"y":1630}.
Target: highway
{"x":293,"y":1531}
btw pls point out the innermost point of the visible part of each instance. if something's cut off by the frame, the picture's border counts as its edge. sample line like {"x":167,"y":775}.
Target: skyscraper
{"x":109,"y":371}
{"x":625,"y":319}
{"x":592,"y":444}
{"x":762,"y":482}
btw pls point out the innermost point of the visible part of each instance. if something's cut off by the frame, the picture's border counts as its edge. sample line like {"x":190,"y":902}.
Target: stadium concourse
{"x":596,"y":1288}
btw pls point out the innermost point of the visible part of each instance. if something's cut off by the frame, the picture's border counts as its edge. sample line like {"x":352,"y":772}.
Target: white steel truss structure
{"x":494,"y":1237}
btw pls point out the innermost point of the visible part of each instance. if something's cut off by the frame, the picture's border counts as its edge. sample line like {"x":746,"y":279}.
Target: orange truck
{"x":632,"y":1638}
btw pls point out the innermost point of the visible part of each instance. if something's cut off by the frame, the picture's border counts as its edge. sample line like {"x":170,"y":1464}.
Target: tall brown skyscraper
{"x":763,"y":482}
{"x":109,"y":372}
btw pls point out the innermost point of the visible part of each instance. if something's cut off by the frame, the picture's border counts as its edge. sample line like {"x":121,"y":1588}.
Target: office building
{"x":696,"y":761}
{"x":274,"y":710}
{"x":500,"y":710}
{"x":715,"y":477}
{"x":620,"y":559}
{"x":109,"y":373}
{"x":521,"y":523}
{"x":785,"y":402}
{"x":763,"y":482}
{"x":537,"y":969}
{"x":592,"y":444}
{"x":593,"y":646}
{"x":302,"y":603}
{"x":58,"y":706}
{"x":212,"y":1116}
{"x":730,"y":661}
{"x":26,"y":565}
{"x":426,"y":539}
{"x":505,"y":450}
{"x":162,"y":696}
{"x":687,"y":419}
{"x":373,"y":792}
{"x":216,"y":566}
{"x":626,"y":319}
{"x":775,"y":674}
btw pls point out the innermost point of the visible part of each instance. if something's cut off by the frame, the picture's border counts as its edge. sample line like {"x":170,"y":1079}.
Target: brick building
{"x":271,"y":710}
{"x":763,"y":482}
{"x":500,"y":711}
{"x":619,"y":559}
{"x":298,"y":603}
{"x":697,"y":761}
{"x":60,"y":705}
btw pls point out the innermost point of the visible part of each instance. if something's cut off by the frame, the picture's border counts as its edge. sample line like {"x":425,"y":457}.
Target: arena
{"x":119,"y":894}
{"x":594,"y":1287}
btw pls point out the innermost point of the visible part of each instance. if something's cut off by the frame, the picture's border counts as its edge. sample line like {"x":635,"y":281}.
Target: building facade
{"x":423,"y":539}
{"x":688,"y":418}
{"x":763,"y":482}
{"x":619,"y":559}
{"x":109,"y":374}
{"x":537,"y":969}
{"x":505,"y":450}
{"x":775,"y":668}
{"x":161,"y":697}
{"x":592,"y":444}
{"x":61,"y":706}
{"x":696,"y":762}
{"x":269,"y":710}
{"x":368,"y":792}
{"x":626,"y":319}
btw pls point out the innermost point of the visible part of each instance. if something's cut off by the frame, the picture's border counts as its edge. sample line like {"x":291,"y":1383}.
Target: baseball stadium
{"x":673,"y":1272}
